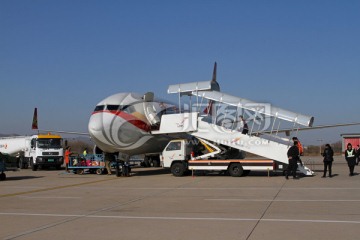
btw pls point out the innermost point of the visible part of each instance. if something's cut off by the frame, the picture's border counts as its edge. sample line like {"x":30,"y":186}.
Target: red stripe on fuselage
{"x":129,"y":118}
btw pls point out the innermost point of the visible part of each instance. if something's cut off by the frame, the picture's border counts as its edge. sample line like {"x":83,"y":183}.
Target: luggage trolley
{"x":93,"y":163}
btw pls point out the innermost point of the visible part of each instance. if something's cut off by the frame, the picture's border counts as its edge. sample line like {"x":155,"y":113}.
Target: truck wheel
{"x":235,"y":170}
{"x":177,"y":169}
{"x":156,"y":162}
{"x":34,"y":167}
{"x":2,"y":176}
{"x":22,"y":162}
{"x":99,"y":171}
{"x":147,"y":162}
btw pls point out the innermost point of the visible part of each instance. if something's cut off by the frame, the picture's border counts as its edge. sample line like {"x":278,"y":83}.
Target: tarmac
{"x":153,"y":204}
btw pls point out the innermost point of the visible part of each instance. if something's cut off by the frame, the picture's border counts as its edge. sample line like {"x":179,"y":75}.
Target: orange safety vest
{"x":301,"y":149}
{"x":67,"y":154}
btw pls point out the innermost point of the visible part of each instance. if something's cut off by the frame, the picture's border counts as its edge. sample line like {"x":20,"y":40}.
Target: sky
{"x":64,"y":57}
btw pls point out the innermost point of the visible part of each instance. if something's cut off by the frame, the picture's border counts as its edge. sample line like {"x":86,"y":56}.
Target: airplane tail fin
{"x":209,"y":109}
{"x":214,"y":73}
{"x":35,"y":120}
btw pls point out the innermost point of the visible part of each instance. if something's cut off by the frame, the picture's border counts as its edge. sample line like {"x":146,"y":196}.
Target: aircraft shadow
{"x":149,"y":172}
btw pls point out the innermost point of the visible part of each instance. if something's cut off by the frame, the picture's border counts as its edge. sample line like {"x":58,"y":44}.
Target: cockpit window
{"x":99,"y":108}
{"x":125,"y":108}
{"x":113,"y":107}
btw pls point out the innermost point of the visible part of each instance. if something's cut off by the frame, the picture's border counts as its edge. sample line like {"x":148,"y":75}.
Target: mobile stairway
{"x":218,"y":123}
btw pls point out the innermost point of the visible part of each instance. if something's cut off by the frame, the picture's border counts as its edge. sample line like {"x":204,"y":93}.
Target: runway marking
{"x":28,"y":197}
{"x":181,"y":218}
{"x":54,"y":188}
{"x":237,"y":188}
{"x":284,"y":200}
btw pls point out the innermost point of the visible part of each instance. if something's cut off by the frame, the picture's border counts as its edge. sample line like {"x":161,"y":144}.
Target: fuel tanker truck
{"x":42,"y":150}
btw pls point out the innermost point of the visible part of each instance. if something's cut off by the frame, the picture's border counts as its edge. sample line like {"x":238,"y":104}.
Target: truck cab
{"x":175,"y":156}
{"x":45,"y":150}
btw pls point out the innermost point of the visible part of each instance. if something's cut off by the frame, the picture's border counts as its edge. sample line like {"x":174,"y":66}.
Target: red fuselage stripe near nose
{"x":129,"y":118}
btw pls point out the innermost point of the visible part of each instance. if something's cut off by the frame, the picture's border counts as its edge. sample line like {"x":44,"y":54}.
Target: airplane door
{"x":151,"y":109}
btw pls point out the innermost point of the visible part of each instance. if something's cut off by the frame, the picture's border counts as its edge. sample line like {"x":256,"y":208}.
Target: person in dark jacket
{"x":328,"y":155}
{"x":293,"y":156}
{"x":350,"y":156}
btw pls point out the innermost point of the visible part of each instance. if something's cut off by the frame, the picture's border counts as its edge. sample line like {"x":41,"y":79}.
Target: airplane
{"x":126,"y":122}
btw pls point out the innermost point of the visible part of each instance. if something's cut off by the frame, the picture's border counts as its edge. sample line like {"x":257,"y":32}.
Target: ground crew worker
{"x":67,"y":157}
{"x":350,"y":156}
{"x":328,"y":159}
{"x":85,"y":152}
{"x":109,"y":157}
{"x":301,"y":149}
{"x":293,"y":156}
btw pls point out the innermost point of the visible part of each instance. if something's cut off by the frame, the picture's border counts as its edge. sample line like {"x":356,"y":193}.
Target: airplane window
{"x":113,"y":107}
{"x":99,"y":108}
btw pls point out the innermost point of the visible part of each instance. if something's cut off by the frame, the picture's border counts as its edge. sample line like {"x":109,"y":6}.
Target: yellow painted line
{"x":54,"y":188}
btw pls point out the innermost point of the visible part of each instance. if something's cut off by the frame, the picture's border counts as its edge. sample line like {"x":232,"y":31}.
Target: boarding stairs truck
{"x":218,"y":130}
{"x":42,"y":150}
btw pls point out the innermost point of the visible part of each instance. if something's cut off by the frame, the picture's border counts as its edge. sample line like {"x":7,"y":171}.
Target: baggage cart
{"x":91,"y":163}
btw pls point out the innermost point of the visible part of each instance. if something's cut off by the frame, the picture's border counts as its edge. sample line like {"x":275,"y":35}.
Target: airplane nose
{"x":98,"y":132}
{"x":95,"y":123}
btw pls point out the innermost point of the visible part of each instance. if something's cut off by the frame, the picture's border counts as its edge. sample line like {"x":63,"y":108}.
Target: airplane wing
{"x":287,"y":131}
{"x":64,"y":132}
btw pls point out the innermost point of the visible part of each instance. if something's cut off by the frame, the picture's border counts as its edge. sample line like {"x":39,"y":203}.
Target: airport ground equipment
{"x":7,"y":163}
{"x":179,"y":156}
{"x":92,"y":163}
{"x":95,"y":163}
{"x":219,"y":126}
{"x":42,"y":150}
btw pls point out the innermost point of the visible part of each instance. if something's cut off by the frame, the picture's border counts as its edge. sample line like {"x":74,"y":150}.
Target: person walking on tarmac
{"x":293,"y":156}
{"x":350,"y":156}
{"x":328,"y":159}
